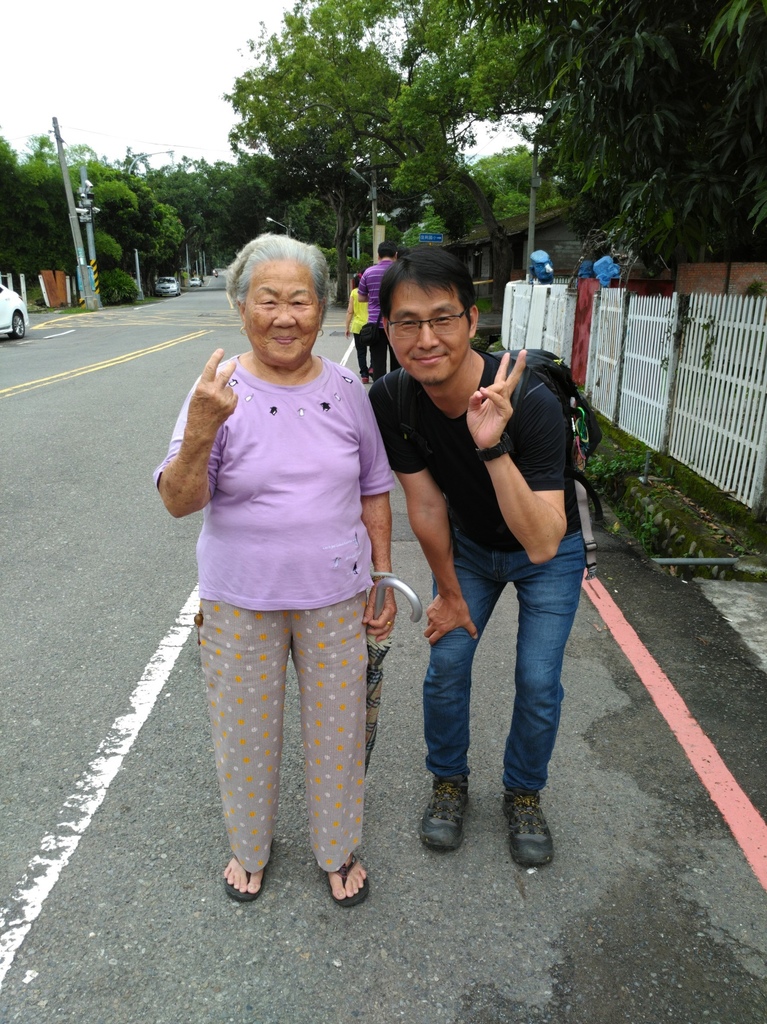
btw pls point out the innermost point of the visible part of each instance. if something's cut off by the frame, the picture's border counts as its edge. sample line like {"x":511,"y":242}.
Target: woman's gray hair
{"x":268,"y":248}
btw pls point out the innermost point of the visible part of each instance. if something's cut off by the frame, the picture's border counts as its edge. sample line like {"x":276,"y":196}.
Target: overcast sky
{"x":146,"y":75}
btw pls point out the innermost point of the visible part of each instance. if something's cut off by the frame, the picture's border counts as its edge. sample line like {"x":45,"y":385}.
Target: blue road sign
{"x":425,"y":236}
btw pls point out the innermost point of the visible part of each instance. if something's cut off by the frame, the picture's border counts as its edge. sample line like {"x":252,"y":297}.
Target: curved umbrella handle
{"x":385,"y":580}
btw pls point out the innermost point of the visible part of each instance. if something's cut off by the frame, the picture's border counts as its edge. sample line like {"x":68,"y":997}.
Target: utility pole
{"x":374,"y":210}
{"x":86,"y":212}
{"x":140,"y":291}
{"x":90,"y":299}
{"x":535,"y":184}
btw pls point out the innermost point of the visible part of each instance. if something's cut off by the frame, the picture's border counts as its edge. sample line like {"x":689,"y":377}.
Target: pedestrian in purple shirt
{"x":369,"y":290}
{"x":281,"y":451}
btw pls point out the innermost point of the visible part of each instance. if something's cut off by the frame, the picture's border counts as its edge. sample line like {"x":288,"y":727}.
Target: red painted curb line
{"x":741,"y":816}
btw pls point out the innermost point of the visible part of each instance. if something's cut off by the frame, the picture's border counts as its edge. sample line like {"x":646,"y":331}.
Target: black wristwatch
{"x":503,"y":447}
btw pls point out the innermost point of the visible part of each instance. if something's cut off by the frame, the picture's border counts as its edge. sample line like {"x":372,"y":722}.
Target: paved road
{"x":110,"y":879}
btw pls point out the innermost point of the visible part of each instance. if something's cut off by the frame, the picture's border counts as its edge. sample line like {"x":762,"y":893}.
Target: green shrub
{"x":357,"y":265}
{"x":117,"y":288}
{"x":331,"y":255}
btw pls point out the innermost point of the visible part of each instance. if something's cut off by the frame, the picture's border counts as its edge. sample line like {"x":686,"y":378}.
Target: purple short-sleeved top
{"x":283,"y":529}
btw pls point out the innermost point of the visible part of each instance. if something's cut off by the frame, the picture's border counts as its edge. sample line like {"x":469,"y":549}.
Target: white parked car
{"x":14,"y":318}
{"x":167,"y":286}
{"x":195,"y":282}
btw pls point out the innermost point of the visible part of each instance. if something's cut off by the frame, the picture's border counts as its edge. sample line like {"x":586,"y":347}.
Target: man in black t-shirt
{"x":484,"y":515}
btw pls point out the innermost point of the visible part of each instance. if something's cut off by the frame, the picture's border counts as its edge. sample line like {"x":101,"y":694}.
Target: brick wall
{"x":712,"y":277}
{"x":742,"y":274}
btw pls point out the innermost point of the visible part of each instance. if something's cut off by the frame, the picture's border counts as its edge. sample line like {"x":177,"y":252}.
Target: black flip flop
{"x":358,"y":897}
{"x":244,"y":897}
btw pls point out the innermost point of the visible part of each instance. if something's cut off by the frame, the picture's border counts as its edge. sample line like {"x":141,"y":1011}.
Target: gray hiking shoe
{"x":442,"y":822}
{"x":530,"y":840}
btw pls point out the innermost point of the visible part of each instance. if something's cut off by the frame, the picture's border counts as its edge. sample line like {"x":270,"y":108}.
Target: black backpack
{"x":582,"y":430}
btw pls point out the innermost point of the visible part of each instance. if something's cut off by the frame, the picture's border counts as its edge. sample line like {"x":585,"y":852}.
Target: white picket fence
{"x":689,"y":380}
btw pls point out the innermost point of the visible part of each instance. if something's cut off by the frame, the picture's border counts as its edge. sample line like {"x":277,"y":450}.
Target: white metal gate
{"x":554,"y":333}
{"x":648,"y":368}
{"x":534,"y":316}
{"x":603,"y":370}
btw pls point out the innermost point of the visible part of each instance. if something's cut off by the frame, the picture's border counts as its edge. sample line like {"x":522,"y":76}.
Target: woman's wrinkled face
{"x":281,"y":315}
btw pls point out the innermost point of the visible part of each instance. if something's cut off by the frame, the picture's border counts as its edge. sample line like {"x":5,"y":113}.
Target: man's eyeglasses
{"x":440,"y":325}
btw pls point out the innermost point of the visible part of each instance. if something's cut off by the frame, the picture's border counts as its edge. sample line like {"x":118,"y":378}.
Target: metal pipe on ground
{"x":695,"y":561}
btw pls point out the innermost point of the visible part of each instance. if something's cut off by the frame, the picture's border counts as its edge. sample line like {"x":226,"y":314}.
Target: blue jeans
{"x":548,"y":597}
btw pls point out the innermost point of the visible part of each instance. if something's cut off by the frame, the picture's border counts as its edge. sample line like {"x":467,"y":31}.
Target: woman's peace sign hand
{"x":213,"y":400}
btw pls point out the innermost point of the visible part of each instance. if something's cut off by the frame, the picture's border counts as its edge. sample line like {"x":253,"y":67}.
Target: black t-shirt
{"x":539,"y":437}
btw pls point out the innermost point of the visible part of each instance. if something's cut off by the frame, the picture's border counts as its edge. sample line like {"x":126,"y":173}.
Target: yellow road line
{"x":19,"y":389}
{"x":48,"y":323}
{"x":153,"y":321}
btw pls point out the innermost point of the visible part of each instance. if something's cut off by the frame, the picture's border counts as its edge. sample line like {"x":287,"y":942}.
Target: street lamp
{"x":372,"y":185}
{"x":273,"y":221}
{"x":145,"y":156}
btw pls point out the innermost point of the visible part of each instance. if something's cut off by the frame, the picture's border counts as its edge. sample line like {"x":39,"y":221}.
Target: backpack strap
{"x":584,"y":491}
{"x":405,"y":399}
{"x":516,"y":400}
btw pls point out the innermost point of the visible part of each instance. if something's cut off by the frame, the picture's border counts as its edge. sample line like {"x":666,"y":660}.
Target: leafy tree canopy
{"x":505,"y":178}
{"x":34,"y":226}
{"x":391,"y":87}
{"x":659,"y":106}
{"x":312,"y":100}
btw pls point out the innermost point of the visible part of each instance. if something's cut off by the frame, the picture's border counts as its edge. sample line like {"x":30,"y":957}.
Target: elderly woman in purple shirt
{"x":280,"y":449}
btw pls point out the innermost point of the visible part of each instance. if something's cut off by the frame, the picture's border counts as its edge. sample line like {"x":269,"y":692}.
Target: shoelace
{"x":446,"y":801}
{"x":527,"y":816}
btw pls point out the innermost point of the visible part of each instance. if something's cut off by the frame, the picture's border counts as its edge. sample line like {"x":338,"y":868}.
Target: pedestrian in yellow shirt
{"x":356,"y":318}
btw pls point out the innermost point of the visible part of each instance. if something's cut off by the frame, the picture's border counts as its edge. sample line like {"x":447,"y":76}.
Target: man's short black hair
{"x":430,"y":269}
{"x":387,"y":249}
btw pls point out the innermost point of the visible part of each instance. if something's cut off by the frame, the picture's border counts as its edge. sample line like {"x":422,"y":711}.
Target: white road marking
{"x":59,"y":335}
{"x":44,"y":869}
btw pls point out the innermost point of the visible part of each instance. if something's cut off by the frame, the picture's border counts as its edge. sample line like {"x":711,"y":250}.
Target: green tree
{"x":505,"y":179}
{"x":34,"y":223}
{"x":736,"y":43}
{"x":310,"y":101}
{"x":659,"y":107}
{"x":430,"y":222}
{"x":133,"y":218}
{"x":35,"y":231}
{"x":455,"y":75}
{"x":241,"y":197}
{"x":395,"y":86}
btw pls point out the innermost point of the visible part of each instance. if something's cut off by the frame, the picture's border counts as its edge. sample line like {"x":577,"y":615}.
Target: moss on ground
{"x":675,"y":513}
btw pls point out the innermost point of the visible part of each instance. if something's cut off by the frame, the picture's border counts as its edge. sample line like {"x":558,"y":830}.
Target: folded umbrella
{"x":377,"y":651}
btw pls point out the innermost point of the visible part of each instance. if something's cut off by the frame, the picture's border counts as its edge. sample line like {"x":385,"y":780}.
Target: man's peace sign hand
{"x":490,"y":408}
